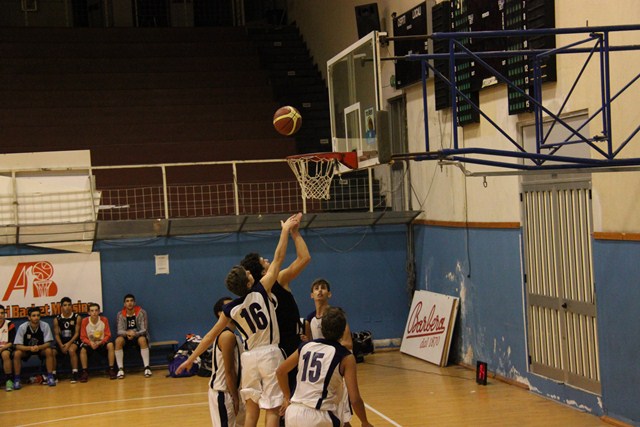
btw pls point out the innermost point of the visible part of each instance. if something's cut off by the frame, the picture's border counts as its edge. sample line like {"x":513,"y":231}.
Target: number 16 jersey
{"x":255,"y":318}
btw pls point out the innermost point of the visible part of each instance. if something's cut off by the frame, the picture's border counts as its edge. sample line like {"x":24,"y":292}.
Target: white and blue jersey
{"x":315,"y":324}
{"x":218,"y":381}
{"x":255,"y":318}
{"x":319,"y":381}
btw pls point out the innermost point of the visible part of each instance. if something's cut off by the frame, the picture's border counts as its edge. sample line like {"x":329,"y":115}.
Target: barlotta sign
{"x":42,"y":280}
{"x":429,"y":327}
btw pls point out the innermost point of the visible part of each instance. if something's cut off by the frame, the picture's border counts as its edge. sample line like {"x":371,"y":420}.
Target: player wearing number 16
{"x":255,"y":319}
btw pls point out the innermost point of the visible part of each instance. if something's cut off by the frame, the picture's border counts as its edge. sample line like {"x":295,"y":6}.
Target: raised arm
{"x":272,"y":273}
{"x":302,"y":259}
{"x":206,"y":342}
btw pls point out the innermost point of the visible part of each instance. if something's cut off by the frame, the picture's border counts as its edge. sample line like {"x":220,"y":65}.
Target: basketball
{"x":42,"y":270}
{"x":287,"y":120}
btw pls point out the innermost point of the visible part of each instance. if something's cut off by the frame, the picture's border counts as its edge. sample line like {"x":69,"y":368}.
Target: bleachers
{"x":138,"y":95}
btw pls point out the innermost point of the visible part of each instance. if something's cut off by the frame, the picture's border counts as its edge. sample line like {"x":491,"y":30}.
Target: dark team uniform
{"x":28,"y":337}
{"x":67,"y":327}
{"x":289,"y":324}
{"x":288,"y":319}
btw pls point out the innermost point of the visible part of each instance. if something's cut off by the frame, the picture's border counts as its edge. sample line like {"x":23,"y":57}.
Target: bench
{"x":170,"y":345}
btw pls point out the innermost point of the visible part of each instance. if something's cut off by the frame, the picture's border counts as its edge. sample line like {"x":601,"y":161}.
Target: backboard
{"x":355,"y":99}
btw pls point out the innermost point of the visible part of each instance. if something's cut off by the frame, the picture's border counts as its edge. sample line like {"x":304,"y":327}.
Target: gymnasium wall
{"x":617,"y":270}
{"x":483,"y":264}
{"x":364,"y":265}
{"x":483,"y":268}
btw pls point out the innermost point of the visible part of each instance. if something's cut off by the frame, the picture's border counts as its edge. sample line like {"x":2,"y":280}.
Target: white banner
{"x":429,"y":327}
{"x":43,"y":280}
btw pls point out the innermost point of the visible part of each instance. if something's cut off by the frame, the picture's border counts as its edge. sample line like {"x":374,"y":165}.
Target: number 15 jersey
{"x":319,"y":381}
{"x":255,"y":318}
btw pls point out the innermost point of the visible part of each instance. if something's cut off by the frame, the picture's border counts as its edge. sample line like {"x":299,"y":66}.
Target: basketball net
{"x":314,"y":175}
{"x":42,"y":287}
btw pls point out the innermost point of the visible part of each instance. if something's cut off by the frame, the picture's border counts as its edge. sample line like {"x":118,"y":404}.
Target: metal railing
{"x":230,"y":196}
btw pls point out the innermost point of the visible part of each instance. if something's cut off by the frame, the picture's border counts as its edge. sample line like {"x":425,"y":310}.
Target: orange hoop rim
{"x":348,"y":158}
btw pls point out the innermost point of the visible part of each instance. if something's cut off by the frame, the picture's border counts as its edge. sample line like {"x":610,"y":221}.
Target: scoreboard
{"x":471,"y":77}
{"x":411,"y":23}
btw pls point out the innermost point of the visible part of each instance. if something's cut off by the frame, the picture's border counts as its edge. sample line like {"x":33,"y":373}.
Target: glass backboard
{"x":354,"y":99}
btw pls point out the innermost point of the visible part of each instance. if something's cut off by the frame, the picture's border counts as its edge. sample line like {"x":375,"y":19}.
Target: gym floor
{"x":399,"y":390}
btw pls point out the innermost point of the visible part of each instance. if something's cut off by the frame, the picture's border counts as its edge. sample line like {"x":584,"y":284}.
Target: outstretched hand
{"x":292,"y":222}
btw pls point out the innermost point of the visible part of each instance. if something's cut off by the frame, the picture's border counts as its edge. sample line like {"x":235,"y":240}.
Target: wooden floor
{"x":399,"y":390}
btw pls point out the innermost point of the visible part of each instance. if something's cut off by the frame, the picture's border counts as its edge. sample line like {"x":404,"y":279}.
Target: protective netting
{"x":314,"y":174}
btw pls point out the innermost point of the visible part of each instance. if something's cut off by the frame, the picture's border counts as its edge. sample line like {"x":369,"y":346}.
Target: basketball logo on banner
{"x":40,"y":280}
{"x":37,"y":275}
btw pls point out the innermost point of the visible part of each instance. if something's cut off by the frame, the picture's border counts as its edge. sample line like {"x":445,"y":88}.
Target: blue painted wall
{"x":483,"y":268}
{"x":617,"y":274}
{"x":366,"y":267}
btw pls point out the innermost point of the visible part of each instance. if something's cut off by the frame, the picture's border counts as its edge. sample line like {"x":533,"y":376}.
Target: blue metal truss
{"x":596,"y":44}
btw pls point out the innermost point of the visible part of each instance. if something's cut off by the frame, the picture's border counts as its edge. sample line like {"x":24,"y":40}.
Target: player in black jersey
{"x":287,"y":313}
{"x":66,"y":331}
{"x":33,"y":338}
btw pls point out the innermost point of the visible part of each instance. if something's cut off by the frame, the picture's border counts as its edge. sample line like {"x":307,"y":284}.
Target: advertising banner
{"x":429,"y":327}
{"x":42,"y":280}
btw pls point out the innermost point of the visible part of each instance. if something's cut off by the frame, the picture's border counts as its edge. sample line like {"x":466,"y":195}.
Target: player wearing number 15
{"x":255,"y":319}
{"x":322,"y":365}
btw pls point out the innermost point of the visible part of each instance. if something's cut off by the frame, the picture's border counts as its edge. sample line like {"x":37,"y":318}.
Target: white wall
{"x":443,"y":193}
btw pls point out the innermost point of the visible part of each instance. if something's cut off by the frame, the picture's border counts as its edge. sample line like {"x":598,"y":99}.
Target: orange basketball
{"x":287,"y":120}
{"x":43,"y":270}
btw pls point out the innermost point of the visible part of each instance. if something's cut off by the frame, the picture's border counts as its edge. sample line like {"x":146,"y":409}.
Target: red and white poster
{"x":43,"y":280}
{"x":429,"y":327}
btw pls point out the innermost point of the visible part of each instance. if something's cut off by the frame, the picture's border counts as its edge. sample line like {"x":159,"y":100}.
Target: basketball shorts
{"x":76,"y":342}
{"x":259,"y":382}
{"x":134,"y":343}
{"x":299,"y":415}
{"x":28,"y":354}
{"x":101,"y":350}
{"x":221,"y":410}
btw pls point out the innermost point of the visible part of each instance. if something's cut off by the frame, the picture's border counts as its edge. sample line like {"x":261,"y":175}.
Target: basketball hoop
{"x":315,"y":171}
{"x":42,"y":287}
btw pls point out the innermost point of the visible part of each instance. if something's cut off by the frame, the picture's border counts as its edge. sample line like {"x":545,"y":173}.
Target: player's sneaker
{"x":74,"y":377}
{"x":84,"y":376}
{"x":8,"y":385}
{"x":51,"y":380}
{"x":17,"y":385}
{"x":120,"y":375}
{"x":112,"y":373}
{"x":147,"y":372}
